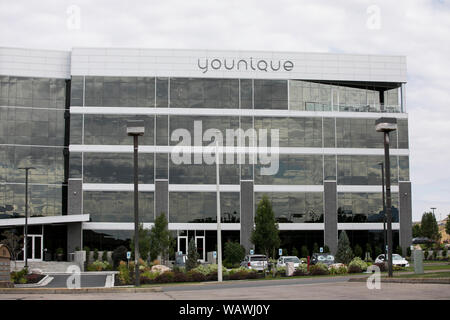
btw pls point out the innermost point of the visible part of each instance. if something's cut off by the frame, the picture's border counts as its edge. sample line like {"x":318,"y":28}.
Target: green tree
{"x":358,"y":251}
{"x":265,"y":235}
{"x":315,"y":247}
{"x":294,"y":251}
{"x":192,"y":256}
{"x":160,"y":239}
{"x":144,"y":243}
{"x":13,"y":242}
{"x":429,"y":226}
{"x":326,"y":249}
{"x":304,"y":251}
{"x":344,"y":252}
{"x":416,"y":232}
{"x":233,"y":252}
{"x":447,"y":225}
{"x":369,"y":249}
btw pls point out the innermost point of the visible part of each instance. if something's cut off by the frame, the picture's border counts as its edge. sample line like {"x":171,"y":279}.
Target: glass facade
{"x":312,"y":131}
{"x":33,"y":132}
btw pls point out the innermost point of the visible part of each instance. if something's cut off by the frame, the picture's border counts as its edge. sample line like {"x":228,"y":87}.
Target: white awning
{"x":44,"y":220}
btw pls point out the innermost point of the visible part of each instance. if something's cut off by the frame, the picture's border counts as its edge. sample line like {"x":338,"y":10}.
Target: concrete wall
{"x":330,"y":216}
{"x":162,"y":197}
{"x":74,"y":236}
{"x":405,"y":214}
{"x":247,"y":214}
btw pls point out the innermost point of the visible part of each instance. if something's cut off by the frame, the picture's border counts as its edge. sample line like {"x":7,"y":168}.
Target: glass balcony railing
{"x":315,"y":106}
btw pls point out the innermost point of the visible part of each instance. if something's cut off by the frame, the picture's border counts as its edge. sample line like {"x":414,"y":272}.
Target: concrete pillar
{"x":162,"y":197}
{"x":74,"y":236}
{"x":247,"y":214}
{"x":330,"y":215}
{"x":405,"y":215}
{"x":74,"y":197}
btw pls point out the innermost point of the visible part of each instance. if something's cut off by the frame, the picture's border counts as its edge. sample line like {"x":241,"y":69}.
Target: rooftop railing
{"x":315,"y":106}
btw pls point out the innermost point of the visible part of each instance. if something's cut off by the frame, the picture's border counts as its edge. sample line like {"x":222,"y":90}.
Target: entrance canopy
{"x":44,"y":220}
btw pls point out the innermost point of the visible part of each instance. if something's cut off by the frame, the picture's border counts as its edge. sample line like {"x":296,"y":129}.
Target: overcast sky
{"x":419,"y":30}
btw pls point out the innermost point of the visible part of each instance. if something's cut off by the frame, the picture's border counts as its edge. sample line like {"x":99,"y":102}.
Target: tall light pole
{"x":384,"y":207}
{"x":219,"y":227}
{"x":25,"y":242}
{"x":387,"y":125}
{"x":135,"y":128}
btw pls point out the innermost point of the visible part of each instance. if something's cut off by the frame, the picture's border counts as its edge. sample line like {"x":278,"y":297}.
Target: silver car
{"x":256,"y":262}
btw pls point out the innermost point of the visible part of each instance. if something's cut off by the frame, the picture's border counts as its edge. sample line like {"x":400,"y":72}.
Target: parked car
{"x":421,"y":240}
{"x":397,"y":260}
{"x":283,"y":259}
{"x":325,"y":258}
{"x":257,"y":262}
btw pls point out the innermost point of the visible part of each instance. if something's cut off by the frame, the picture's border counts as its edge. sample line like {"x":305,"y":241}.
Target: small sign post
{"x":252,"y":251}
{"x":280,"y":252}
{"x":321,"y":249}
{"x":128,"y":257}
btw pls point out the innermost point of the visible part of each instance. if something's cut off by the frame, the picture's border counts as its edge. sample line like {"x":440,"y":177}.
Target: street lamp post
{"x":135,"y":128}
{"x":387,"y":125}
{"x":433,"y":211}
{"x":384,"y":207}
{"x":219,"y":227}
{"x":25,"y":242}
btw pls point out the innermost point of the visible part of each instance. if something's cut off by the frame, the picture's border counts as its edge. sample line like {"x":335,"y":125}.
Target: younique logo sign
{"x":263,"y":65}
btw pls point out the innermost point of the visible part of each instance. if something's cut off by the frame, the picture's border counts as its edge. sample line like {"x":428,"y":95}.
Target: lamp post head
{"x":386,"y":124}
{"x":135,"y":127}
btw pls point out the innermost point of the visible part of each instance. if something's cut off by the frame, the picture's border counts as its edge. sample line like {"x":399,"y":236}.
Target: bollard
{"x":418,"y":261}
{"x":308,"y":264}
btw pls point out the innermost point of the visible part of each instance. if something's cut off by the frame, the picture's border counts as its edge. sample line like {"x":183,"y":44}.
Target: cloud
{"x":418,"y":29}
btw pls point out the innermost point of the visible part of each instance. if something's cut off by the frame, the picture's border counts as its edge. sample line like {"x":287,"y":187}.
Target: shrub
{"x":99,"y":266}
{"x":95,"y":254}
{"x":281,"y":270}
{"x":358,"y":251}
{"x":382,"y":266}
{"x":124,"y":273}
{"x":318,"y":269}
{"x":88,"y":253}
{"x":294,"y":251}
{"x":444,"y":253}
{"x":338,"y":270}
{"x":434,"y":254}
{"x":304,"y":251}
{"x":180,"y":277}
{"x":19,"y":276}
{"x":192,"y":257}
{"x":398,"y":250}
{"x":195,"y":276}
{"x":233,"y":252}
{"x":425,"y":254}
{"x":358,"y":262}
{"x":344,"y":253}
{"x":326,"y":249}
{"x":119,"y":254}
{"x":165,"y":277}
{"x":408,"y":252}
{"x":397,"y":268}
{"x":301,"y":270}
{"x":105,"y":256}
{"x":354,"y":269}
{"x":315,"y":248}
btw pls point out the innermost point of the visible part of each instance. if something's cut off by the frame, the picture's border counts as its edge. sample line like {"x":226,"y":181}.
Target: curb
{"x":76,"y":291}
{"x":410,"y":280}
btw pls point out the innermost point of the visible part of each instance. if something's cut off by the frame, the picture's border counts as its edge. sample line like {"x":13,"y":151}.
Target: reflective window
{"x":403,"y":168}
{"x":107,"y":239}
{"x":112,"y":129}
{"x":364,"y":207}
{"x":198,"y":207}
{"x":203,"y":173}
{"x":114,"y":206}
{"x":294,"y":170}
{"x":116,"y":168}
{"x":204,"y":93}
{"x":32,"y":92}
{"x":363,"y":170}
{"x":270,"y":94}
{"x":119,"y":91}
{"x":297,"y":207}
{"x":47,"y":161}
{"x":43,"y":200}
{"x":246,"y":86}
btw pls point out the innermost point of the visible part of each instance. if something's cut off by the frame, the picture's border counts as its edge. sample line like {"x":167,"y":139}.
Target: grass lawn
{"x":426,"y":275}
